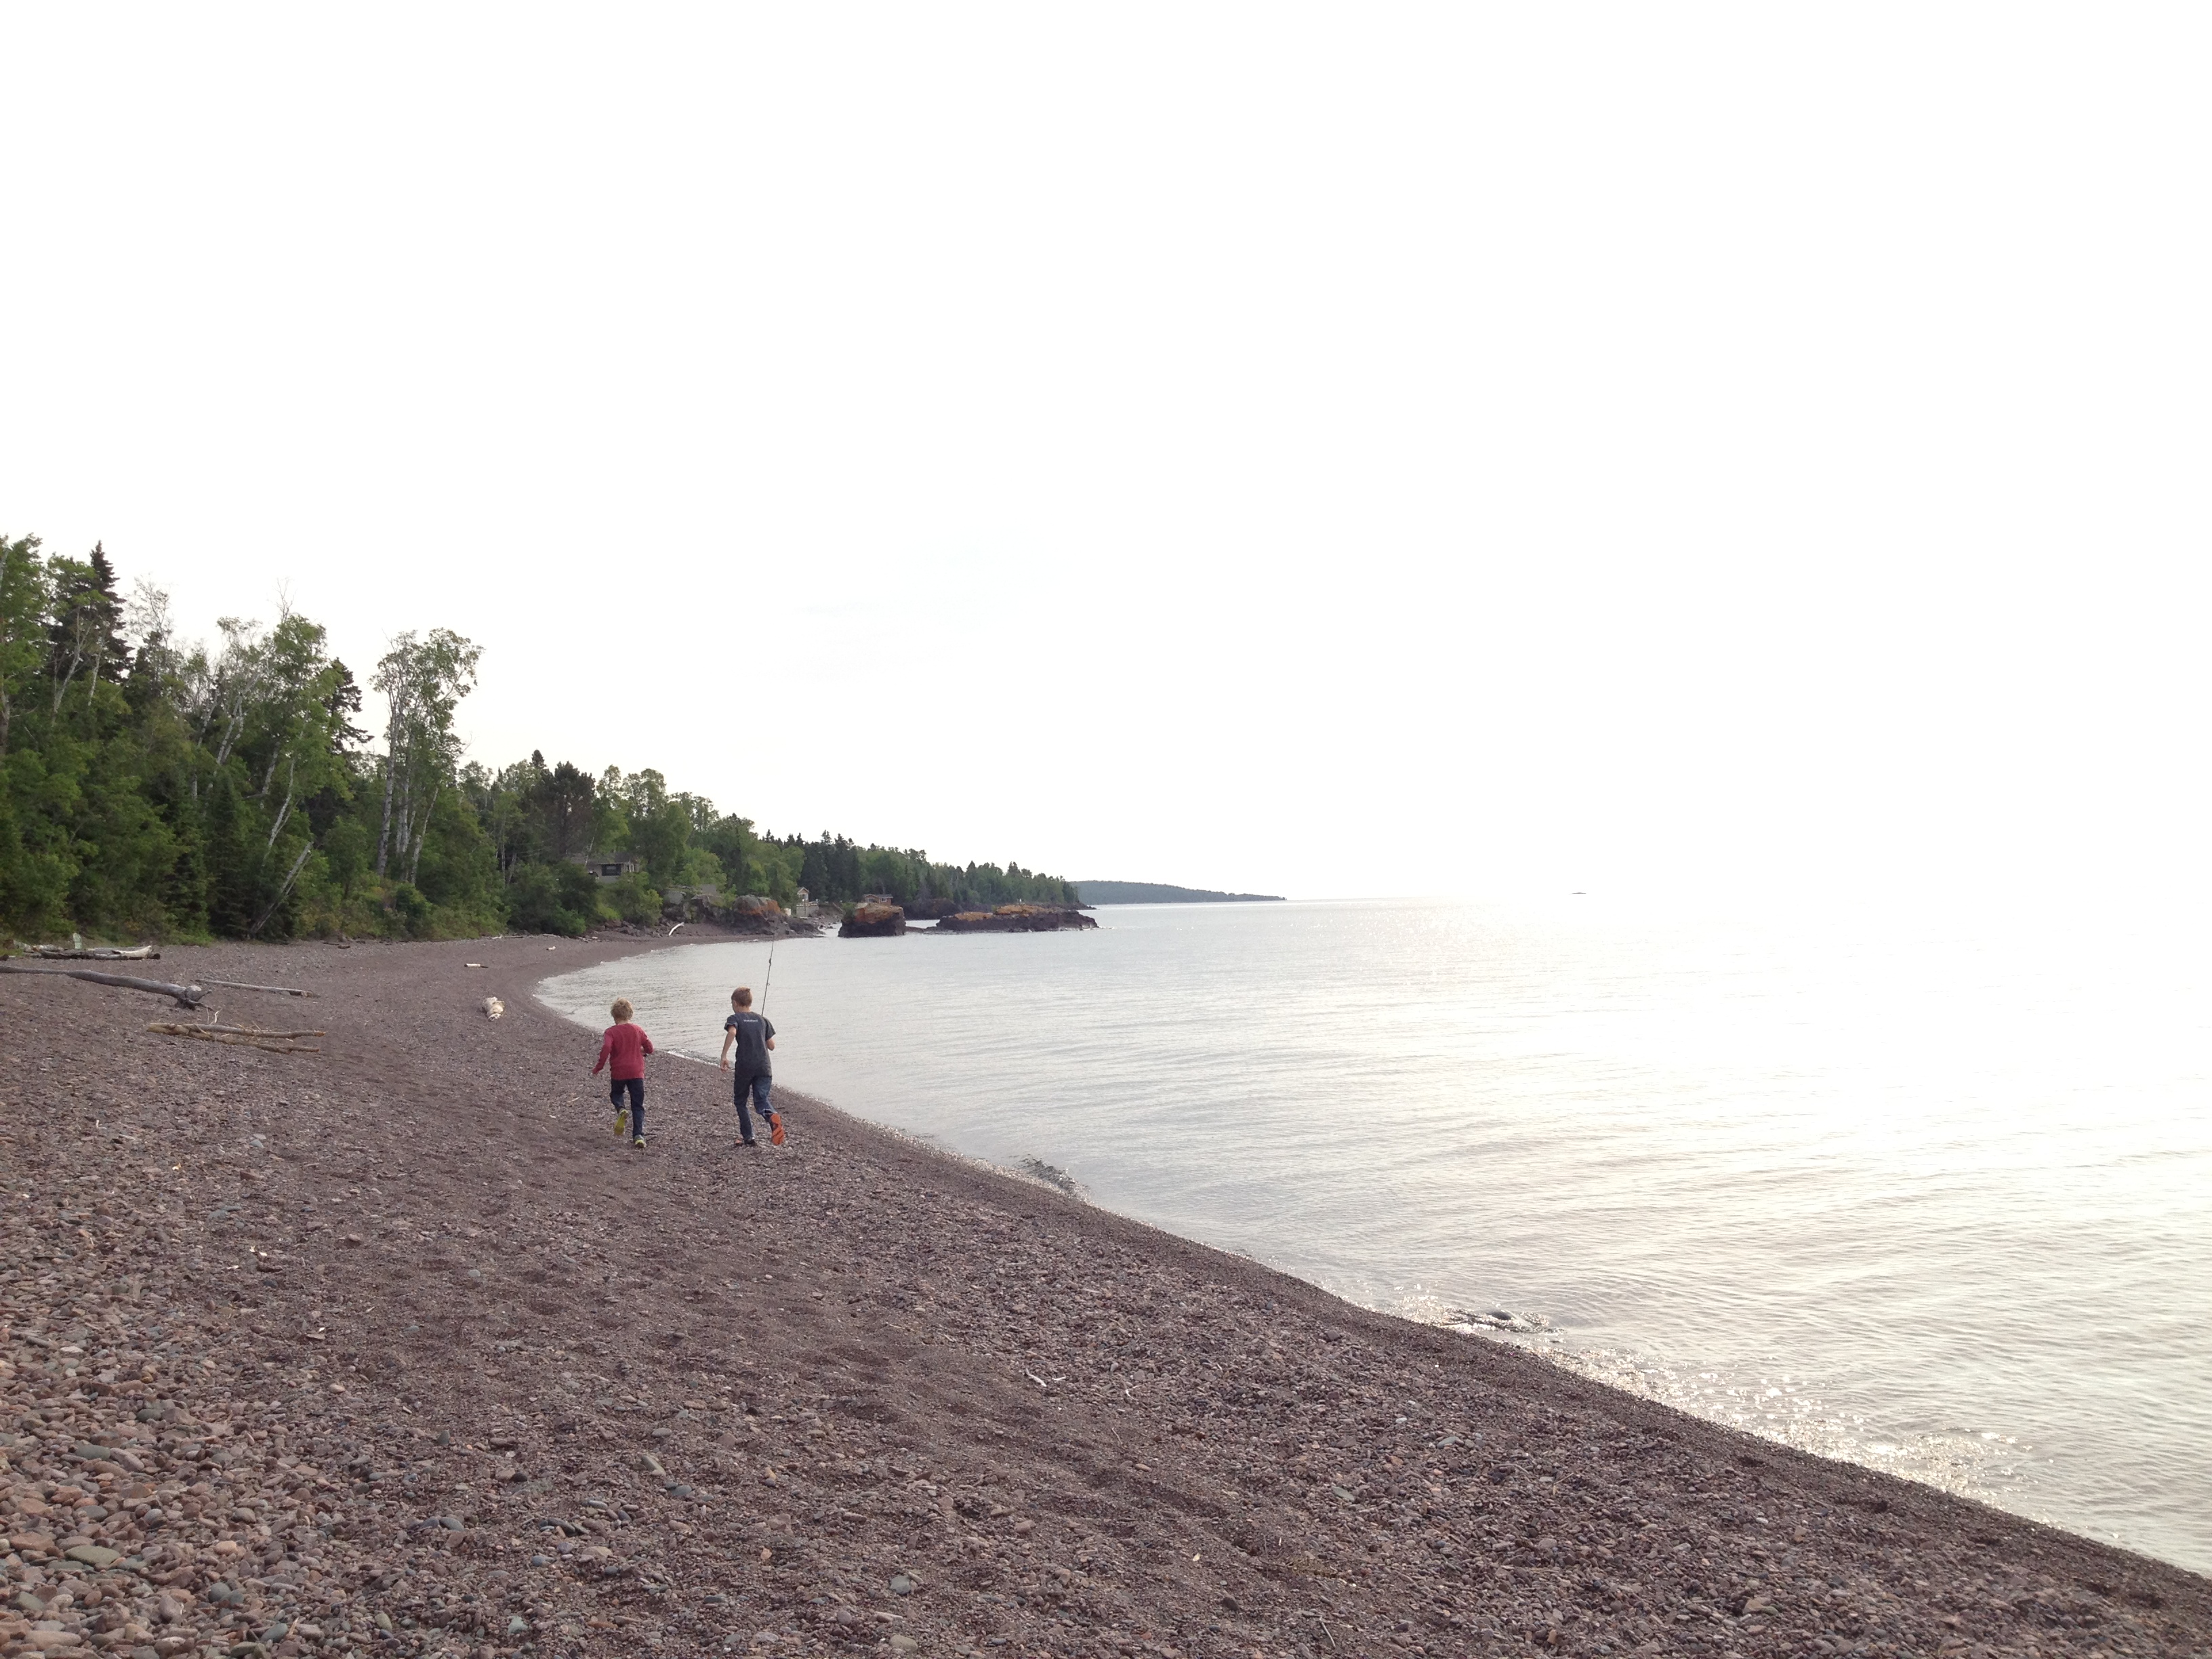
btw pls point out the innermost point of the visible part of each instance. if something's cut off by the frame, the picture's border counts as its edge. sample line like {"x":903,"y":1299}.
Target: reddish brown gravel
{"x":394,"y":1348}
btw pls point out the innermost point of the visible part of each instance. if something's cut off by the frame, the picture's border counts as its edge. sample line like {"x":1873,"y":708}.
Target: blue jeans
{"x":753,"y":1091}
{"x":634,"y":1088}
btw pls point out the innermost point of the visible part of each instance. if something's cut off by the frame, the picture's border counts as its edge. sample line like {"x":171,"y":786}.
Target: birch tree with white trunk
{"x":423,"y":680}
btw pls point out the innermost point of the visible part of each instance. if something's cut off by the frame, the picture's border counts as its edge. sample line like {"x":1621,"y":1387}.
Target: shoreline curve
{"x":856,"y":1391}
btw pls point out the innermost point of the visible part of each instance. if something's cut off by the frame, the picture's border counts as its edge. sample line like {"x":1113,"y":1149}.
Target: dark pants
{"x":753,"y":1091}
{"x":637,"y":1087}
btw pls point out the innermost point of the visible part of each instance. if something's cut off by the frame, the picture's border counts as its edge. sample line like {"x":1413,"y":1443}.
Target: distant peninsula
{"x":1153,"y":892}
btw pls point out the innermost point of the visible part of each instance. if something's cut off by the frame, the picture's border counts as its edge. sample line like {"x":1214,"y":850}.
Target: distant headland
{"x":1153,"y":892}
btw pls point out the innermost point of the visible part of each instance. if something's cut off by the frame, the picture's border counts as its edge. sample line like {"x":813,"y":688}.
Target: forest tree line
{"x":152,"y":788}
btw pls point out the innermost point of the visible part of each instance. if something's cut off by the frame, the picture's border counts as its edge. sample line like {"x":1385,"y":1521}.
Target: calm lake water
{"x":1937,"y":1203}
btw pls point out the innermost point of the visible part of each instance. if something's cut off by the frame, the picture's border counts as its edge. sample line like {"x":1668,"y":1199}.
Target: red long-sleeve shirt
{"x":626,"y":1046}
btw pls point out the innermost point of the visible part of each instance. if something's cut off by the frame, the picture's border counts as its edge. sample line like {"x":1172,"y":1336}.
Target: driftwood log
{"x":234,"y":1030}
{"x":274,"y":990}
{"x":245,"y":1036}
{"x":93,"y":953}
{"x":187,"y":996}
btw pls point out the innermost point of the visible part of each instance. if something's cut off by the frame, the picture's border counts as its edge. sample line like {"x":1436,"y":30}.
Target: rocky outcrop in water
{"x":1017,"y":919}
{"x":873,"y":920}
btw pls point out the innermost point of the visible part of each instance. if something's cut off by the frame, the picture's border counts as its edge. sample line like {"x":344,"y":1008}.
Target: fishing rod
{"x":769,"y":979}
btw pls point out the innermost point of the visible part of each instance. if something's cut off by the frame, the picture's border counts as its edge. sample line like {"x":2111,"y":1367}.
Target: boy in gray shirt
{"x":753,"y":1036}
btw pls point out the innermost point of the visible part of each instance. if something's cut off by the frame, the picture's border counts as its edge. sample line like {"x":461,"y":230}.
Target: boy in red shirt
{"x":622,"y":1051}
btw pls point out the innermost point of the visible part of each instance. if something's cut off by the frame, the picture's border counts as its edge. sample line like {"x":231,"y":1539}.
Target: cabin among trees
{"x":608,"y":866}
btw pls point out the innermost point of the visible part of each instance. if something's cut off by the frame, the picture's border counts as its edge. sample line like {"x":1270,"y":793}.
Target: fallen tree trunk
{"x":244,"y":1036}
{"x":187,"y":996}
{"x":275,"y":990}
{"x":230,"y":1030}
{"x":94,"y":953}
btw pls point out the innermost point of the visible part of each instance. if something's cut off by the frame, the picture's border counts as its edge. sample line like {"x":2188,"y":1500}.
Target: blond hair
{"x":622,"y":1010}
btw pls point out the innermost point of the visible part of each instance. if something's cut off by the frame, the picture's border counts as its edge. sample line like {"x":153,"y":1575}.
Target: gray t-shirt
{"x":748,"y":1058}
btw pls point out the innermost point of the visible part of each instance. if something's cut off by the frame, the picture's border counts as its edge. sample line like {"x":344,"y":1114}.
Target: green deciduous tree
{"x":423,"y":680}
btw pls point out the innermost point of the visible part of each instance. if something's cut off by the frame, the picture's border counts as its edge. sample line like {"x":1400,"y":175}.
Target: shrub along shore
{"x":393,"y":1347}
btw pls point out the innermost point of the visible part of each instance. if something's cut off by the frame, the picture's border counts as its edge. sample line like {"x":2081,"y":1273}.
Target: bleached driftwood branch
{"x":245,"y":1036}
{"x":187,"y":996}
{"x":92,"y":953}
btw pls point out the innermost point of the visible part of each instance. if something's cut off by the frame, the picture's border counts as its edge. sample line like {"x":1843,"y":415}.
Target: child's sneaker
{"x":622,"y":1124}
{"x":774,"y":1130}
{"x":748,"y":1141}
{"x":638,"y":1143}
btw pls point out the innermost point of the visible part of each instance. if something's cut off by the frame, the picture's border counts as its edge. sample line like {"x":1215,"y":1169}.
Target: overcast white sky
{"x":1322,"y":450}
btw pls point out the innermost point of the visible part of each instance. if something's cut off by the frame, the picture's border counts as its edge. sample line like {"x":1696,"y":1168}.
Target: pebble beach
{"x":392,"y":1347}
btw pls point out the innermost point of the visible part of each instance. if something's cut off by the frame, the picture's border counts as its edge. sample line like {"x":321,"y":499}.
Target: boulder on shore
{"x":871,"y":920}
{"x":1017,"y":919}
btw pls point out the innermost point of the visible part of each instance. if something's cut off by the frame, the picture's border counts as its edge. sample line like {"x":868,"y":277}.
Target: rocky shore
{"x":391,"y":1348}
{"x":749,"y":915}
{"x":1017,"y":919}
